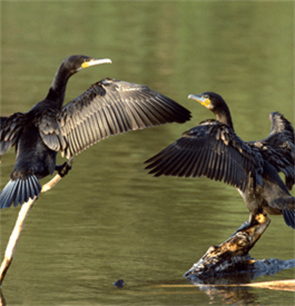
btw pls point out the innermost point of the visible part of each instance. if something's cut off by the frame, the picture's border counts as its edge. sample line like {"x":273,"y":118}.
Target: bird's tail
{"x":19,"y":191}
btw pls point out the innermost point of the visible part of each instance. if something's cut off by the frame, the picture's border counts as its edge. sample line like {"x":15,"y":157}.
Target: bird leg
{"x":253,"y":229}
{"x":254,"y":220}
{"x":64,"y":168}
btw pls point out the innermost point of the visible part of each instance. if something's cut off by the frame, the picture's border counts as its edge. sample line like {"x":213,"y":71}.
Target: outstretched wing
{"x":110,"y":107}
{"x":279,"y":147}
{"x":10,"y":128}
{"x":50,"y":130}
{"x":213,"y":150}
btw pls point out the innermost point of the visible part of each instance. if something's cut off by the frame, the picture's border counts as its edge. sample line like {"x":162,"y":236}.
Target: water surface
{"x":108,"y":219}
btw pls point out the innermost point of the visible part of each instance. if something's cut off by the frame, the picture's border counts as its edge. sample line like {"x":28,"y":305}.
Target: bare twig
{"x":10,"y":249}
{"x":19,"y":225}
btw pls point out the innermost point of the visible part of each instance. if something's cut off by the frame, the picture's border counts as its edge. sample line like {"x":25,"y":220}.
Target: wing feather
{"x":185,"y":166}
{"x":278,"y":148}
{"x":49,"y":129}
{"x":212,"y":150}
{"x":10,"y":129}
{"x":111,"y":107}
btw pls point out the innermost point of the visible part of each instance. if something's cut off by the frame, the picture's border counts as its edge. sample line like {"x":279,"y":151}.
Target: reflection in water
{"x":229,"y":295}
{"x":238,"y":291}
{"x":228,"y":290}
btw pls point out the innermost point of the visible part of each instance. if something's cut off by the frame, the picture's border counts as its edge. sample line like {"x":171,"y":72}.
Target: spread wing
{"x":10,"y":128}
{"x":279,"y":147}
{"x":213,"y":150}
{"x":50,"y":130}
{"x":110,"y":107}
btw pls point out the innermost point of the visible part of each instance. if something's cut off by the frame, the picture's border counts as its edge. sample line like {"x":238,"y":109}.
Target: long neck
{"x":57,"y":89}
{"x":224,"y":116}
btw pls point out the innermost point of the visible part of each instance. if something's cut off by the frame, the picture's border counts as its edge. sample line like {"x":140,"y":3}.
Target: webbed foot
{"x":63,"y":169}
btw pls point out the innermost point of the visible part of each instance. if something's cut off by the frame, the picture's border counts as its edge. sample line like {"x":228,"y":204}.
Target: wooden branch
{"x":284,"y":285}
{"x":19,"y":225}
{"x":10,"y":249}
{"x":232,"y":255}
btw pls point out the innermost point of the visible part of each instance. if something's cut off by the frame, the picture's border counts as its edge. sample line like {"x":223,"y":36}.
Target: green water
{"x":108,"y":219}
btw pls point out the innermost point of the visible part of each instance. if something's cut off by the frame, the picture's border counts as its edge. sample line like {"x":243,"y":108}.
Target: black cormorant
{"x":214,"y":150}
{"x":108,"y":107}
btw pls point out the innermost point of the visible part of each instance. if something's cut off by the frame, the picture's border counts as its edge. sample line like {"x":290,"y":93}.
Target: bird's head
{"x":70,"y":66}
{"x":216,"y":104}
{"x":75,"y":63}
{"x":210,"y":100}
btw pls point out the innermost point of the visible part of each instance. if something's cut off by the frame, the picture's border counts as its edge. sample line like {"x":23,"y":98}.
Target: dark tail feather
{"x":19,"y":191}
{"x":289,"y":216}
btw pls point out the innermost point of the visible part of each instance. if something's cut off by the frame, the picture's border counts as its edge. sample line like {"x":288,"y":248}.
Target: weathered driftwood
{"x":232,"y":258}
{"x":19,"y":225}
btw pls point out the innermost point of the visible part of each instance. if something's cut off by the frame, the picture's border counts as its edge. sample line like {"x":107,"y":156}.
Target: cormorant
{"x":108,"y":107}
{"x":214,"y":150}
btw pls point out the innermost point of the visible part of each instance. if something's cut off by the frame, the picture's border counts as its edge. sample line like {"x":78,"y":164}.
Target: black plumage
{"x":214,"y":150}
{"x":108,"y":107}
{"x":278,"y":147}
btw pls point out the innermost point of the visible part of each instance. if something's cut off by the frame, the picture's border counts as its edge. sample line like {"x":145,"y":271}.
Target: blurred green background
{"x":108,"y":219}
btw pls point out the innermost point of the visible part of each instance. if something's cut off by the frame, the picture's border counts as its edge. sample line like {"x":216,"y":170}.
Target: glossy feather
{"x":111,"y":107}
{"x":108,"y":107}
{"x":212,"y":149}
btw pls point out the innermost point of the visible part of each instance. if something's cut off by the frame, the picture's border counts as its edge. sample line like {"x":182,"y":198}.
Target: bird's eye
{"x":206,"y":96}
